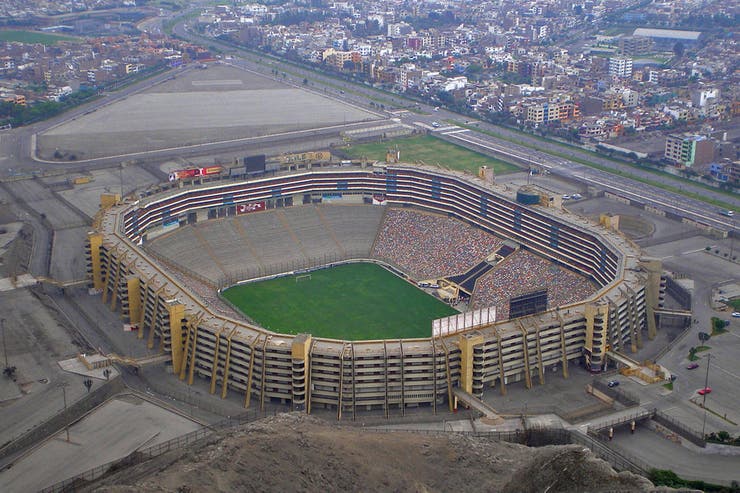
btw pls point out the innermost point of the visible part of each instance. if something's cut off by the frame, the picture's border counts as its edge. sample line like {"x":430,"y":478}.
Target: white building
{"x":454,"y":83}
{"x":620,"y":67}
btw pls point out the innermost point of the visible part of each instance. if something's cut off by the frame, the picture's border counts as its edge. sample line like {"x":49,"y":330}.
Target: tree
{"x":679,"y":49}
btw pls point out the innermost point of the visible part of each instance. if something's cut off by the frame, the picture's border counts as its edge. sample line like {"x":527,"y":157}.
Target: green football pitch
{"x":351,"y":302}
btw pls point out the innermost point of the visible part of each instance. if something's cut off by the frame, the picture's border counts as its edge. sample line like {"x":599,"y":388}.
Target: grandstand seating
{"x":184,"y":249}
{"x":355,"y":227}
{"x":431,"y":246}
{"x":523,"y":272}
{"x":251,"y":245}
{"x":425,"y":245}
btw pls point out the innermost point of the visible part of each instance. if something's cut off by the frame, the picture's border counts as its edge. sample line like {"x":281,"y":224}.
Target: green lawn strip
{"x":282,"y":62}
{"x":431,"y":151}
{"x":354,"y":302}
{"x":33,"y":37}
{"x":670,"y":188}
{"x":665,"y":477}
{"x":735,"y":304}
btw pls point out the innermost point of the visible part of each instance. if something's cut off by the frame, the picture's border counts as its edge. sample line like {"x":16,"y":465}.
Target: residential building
{"x":620,"y":67}
{"x":689,"y":150}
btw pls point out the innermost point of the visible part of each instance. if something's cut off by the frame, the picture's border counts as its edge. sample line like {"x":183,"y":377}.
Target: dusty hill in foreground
{"x":294,"y":452}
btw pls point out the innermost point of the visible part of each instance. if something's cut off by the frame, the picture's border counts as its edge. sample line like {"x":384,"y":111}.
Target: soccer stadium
{"x":527,"y":288}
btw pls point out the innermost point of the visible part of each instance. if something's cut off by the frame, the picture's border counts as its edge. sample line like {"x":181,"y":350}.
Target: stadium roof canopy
{"x":667,"y":34}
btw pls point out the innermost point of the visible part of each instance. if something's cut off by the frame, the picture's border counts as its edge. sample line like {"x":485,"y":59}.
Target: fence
{"x":676,"y":426}
{"x":537,"y":437}
{"x":137,"y":456}
{"x":639,"y":416}
{"x":671,"y":344}
{"x":678,"y":293}
{"x":64,"y":418}
{"x":618,"y":460}
{"x":311,"y":263}
{"x":623,"y":397}
{"x":533,"y":437}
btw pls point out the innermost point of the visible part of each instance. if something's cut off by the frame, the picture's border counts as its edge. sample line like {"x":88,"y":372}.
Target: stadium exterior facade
{"x":350,"y":376}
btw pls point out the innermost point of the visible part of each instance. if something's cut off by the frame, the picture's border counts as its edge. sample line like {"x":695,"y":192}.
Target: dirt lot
{"x":294,"y":452}
{"x":218,"y":104}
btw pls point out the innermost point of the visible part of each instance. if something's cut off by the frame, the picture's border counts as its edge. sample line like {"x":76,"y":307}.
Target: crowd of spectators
{"x":429,"y":246}
{"x":524,"y":272}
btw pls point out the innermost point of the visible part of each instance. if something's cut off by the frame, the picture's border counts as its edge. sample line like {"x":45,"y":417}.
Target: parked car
{"x":692,"y":366}
{"x":704,"y":391}
{"x":566,"y":197}
{"x":736,"y":314}
{"x":613,"y":383}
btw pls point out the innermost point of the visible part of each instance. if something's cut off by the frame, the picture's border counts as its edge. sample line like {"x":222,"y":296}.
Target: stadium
{"x":538,"y":289}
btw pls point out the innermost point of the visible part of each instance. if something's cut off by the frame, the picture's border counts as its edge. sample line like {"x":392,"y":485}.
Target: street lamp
{"x":66,"y":418}
{"x":704,"y":397}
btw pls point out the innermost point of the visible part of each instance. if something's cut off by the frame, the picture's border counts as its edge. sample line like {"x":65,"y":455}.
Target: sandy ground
{"x":218,"y":104}
{"x":112,"y":431}
{"x":294,"y":452}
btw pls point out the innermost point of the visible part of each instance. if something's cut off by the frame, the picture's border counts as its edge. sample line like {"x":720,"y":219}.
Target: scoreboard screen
{"x":255,"y":164}
{"x":528,"y":304}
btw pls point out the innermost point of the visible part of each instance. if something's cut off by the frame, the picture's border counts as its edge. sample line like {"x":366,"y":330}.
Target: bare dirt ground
{"x":295,"y":452}
{"x":219,"y":104}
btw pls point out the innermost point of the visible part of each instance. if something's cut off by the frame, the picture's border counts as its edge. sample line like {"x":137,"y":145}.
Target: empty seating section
{"x":431,"y":246}
{"x":306,"y":225}
{"x":354,"y":226}
{"x":524,"y":272}
{"x":184,"y":249}
{"x":226,"y":243}
{"x":251,"y":245}
{"x":424,"y":245}
{"x":271,"y":240}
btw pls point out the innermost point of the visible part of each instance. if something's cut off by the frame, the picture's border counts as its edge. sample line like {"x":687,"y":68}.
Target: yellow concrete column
{"x":654,"y":268}
{"x":133,"y":288}
{"x":176,"y":313}
{"x":299,"y":354}
{"x":597,"y":322}
{"x":466,"y":342}
{"x":95,"y":241}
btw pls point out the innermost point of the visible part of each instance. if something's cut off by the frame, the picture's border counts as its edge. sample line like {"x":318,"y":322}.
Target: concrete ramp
{"x":491,"y":416}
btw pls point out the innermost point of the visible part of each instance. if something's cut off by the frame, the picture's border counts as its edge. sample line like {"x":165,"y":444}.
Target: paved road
{"x":623,"y":186}
{"x":436,"y":121}
{"x":16,"y":145}
{"x":662,"y":453}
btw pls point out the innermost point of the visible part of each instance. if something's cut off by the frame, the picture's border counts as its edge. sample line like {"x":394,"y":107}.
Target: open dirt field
{"x":112,"y":431}
{"x":218,"y":104}
{"x":293,"y":452}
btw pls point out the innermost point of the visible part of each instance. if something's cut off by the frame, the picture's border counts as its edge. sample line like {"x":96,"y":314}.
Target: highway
{"x":424,"y":116}
{"x":17,"y":154}
{"x":625,"y":187}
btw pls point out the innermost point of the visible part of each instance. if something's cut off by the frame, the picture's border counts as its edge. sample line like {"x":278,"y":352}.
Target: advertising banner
{"x":252,"y":207}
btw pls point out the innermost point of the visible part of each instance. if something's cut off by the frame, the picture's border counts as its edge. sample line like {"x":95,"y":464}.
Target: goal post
{"x":302,"y":277}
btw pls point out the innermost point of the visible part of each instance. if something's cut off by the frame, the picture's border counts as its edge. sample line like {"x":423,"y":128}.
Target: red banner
{"x":192,"y":173}
{"x":253,"y":207}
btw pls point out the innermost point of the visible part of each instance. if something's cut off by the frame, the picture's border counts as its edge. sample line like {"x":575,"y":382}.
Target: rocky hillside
{"x":294,"y":452}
